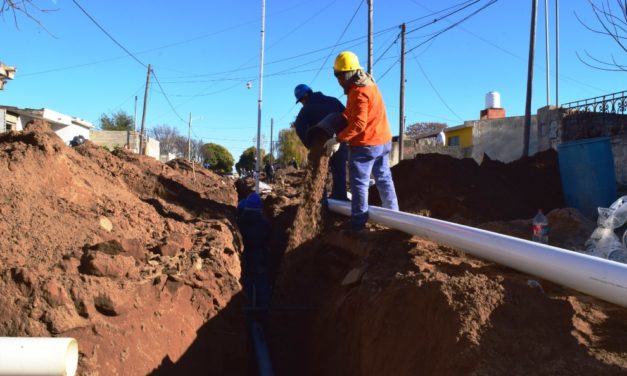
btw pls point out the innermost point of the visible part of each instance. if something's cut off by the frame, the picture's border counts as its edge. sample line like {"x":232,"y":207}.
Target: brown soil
{"x":308,"y":221}
{"x":386,"y":303}
{"x":140,"y":262}
{"x":447,"y":188}
{"x":134,"y":258}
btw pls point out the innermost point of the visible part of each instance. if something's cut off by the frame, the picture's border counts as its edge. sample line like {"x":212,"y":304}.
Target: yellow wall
{"x":465,"y":136}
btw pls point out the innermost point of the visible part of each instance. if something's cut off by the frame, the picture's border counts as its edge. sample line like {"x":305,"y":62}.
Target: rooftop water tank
{"x":493,"y":100}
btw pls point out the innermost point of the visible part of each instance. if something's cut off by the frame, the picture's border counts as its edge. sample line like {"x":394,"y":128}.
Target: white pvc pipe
{"x":38,"y":356}
{"x":598,"y":277}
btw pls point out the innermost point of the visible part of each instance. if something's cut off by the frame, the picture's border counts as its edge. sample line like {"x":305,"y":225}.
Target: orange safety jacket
{"x":366,"y":120}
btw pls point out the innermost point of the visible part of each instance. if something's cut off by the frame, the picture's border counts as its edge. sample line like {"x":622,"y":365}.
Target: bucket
{"x":587,"y":174}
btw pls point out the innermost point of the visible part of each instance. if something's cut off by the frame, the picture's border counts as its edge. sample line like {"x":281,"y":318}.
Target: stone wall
{"x":580,"y":125}
{"x":124,"y":139}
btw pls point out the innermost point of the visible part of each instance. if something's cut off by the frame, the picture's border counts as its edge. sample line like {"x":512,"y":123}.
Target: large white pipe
{"x":598,"y":277}
{"x":38,"y":356}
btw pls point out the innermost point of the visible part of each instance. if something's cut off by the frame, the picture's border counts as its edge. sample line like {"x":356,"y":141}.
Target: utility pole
{"x":260,"y":101}
{"x":189,"y":138}
{"x":135,"y":116}
{"x":401,"y":113}
{"x":142,"y":146}
{"x":532,"y":42}
{"x":271,"y":143}
{"x":546,"y":41}
{"x":370,"y":44}
{"x":557,"y":52}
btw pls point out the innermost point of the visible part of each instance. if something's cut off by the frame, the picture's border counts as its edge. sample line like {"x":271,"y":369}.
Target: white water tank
{"x":493,"y":100}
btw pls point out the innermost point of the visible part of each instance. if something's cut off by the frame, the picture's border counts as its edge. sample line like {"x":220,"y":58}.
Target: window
{"x":453,"y":141}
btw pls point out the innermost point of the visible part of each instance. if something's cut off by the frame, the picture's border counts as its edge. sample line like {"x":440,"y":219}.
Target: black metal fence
{"x":615,"y":103}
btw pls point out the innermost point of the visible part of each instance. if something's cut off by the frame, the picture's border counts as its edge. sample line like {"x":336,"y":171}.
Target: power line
{"x":436,"y":90}
{"x":338,"y":40}
{"x":387,"y":49}
{"x":109,"y":35}
{"x":468,"y":4}
{"x":166,"y":96}
{"x":491,"y":2}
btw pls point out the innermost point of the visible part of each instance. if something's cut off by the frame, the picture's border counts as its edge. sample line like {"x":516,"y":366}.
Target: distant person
{"x":269,"y":170}
{"x":256,"y":263}
{"x":316,"y":106}
{"x":368,"y":135}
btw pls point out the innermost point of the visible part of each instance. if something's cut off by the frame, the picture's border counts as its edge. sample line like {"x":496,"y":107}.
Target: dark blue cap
{"x":300,"y":91}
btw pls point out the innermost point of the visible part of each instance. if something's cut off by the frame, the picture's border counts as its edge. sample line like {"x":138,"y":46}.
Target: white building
{"x":65,"y":126}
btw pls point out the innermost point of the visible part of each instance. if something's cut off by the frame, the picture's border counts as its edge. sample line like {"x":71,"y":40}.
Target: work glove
{"x":331,"y":146}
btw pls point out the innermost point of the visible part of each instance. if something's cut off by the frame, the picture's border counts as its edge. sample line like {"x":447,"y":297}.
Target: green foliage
{"x":119,"y":121}
{"x":290,"y":147}
{"x":248,"y":158}
{"x":267,"y":158}
{"x":218,"y":158}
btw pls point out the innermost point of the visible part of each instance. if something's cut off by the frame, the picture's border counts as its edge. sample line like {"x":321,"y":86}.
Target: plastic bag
{"x":614,"y":216}
{"x":604,"y":242}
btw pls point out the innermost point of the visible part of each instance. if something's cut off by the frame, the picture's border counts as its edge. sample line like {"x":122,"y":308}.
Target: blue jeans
{"x":363,"y":161}
{"x":337,"y":164}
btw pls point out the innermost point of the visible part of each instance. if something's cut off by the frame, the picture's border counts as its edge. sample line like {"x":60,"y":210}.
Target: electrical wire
{"x":109,"y":35}
{"x":387,"y":49}
{"x":435,"y":89}
{"x":338,"y":41}
{"x":470,"y":3}
{"x":166,"y":97}
{"x":453,"y":25}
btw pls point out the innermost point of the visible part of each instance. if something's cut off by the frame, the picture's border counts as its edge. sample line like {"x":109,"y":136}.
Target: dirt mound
{"x":460,"y":189}
{"x":386,"y":303}
{"x":129,"y":256}
{"x":308,"y":220}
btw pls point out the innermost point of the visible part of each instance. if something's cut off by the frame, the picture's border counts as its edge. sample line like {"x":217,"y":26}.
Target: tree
{"x":119,"y":121}
{"x":248,"y":158}
{"x":417,"y":130}
{"x":168,"y":138}
{"x":197,"y":151}
{"x":290,"y":147}
{"x":218,"y":158}
{"x":613,"y":24}
{"x":26,"y":8}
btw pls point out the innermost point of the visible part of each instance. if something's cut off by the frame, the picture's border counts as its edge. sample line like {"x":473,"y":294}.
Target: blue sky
{"x":204,"y":52}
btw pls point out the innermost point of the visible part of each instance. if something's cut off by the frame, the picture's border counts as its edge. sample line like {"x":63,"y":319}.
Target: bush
{"x":217,"y":158}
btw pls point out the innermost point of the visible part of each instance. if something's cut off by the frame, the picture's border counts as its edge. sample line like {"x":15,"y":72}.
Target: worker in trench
{"x":368,"y":135}
{"x":256,"y":263}
{"x":316,"y":107}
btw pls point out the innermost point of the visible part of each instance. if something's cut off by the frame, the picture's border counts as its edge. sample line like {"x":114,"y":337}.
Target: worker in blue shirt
{"x":256,"y":264}
{"x":316,"y":106}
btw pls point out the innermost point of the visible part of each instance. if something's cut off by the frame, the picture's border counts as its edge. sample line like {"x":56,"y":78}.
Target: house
{"x":65,"y":126}
{"x":460,"y":135}
{"x":126,"y":139}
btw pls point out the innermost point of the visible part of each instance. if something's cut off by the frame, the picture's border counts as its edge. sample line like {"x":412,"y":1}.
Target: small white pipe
{"x":38,"y":356}
{"x":598,"y":277}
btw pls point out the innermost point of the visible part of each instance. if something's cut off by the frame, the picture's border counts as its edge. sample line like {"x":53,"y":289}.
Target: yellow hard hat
{"x":346,"y":61}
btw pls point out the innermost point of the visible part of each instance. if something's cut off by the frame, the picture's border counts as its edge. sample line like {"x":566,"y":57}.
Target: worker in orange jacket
{"x":368,"y":135}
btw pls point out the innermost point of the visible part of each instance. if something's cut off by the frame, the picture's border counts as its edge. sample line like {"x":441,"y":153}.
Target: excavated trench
{"x":140,"y":262}
{"x":386,"y":303}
